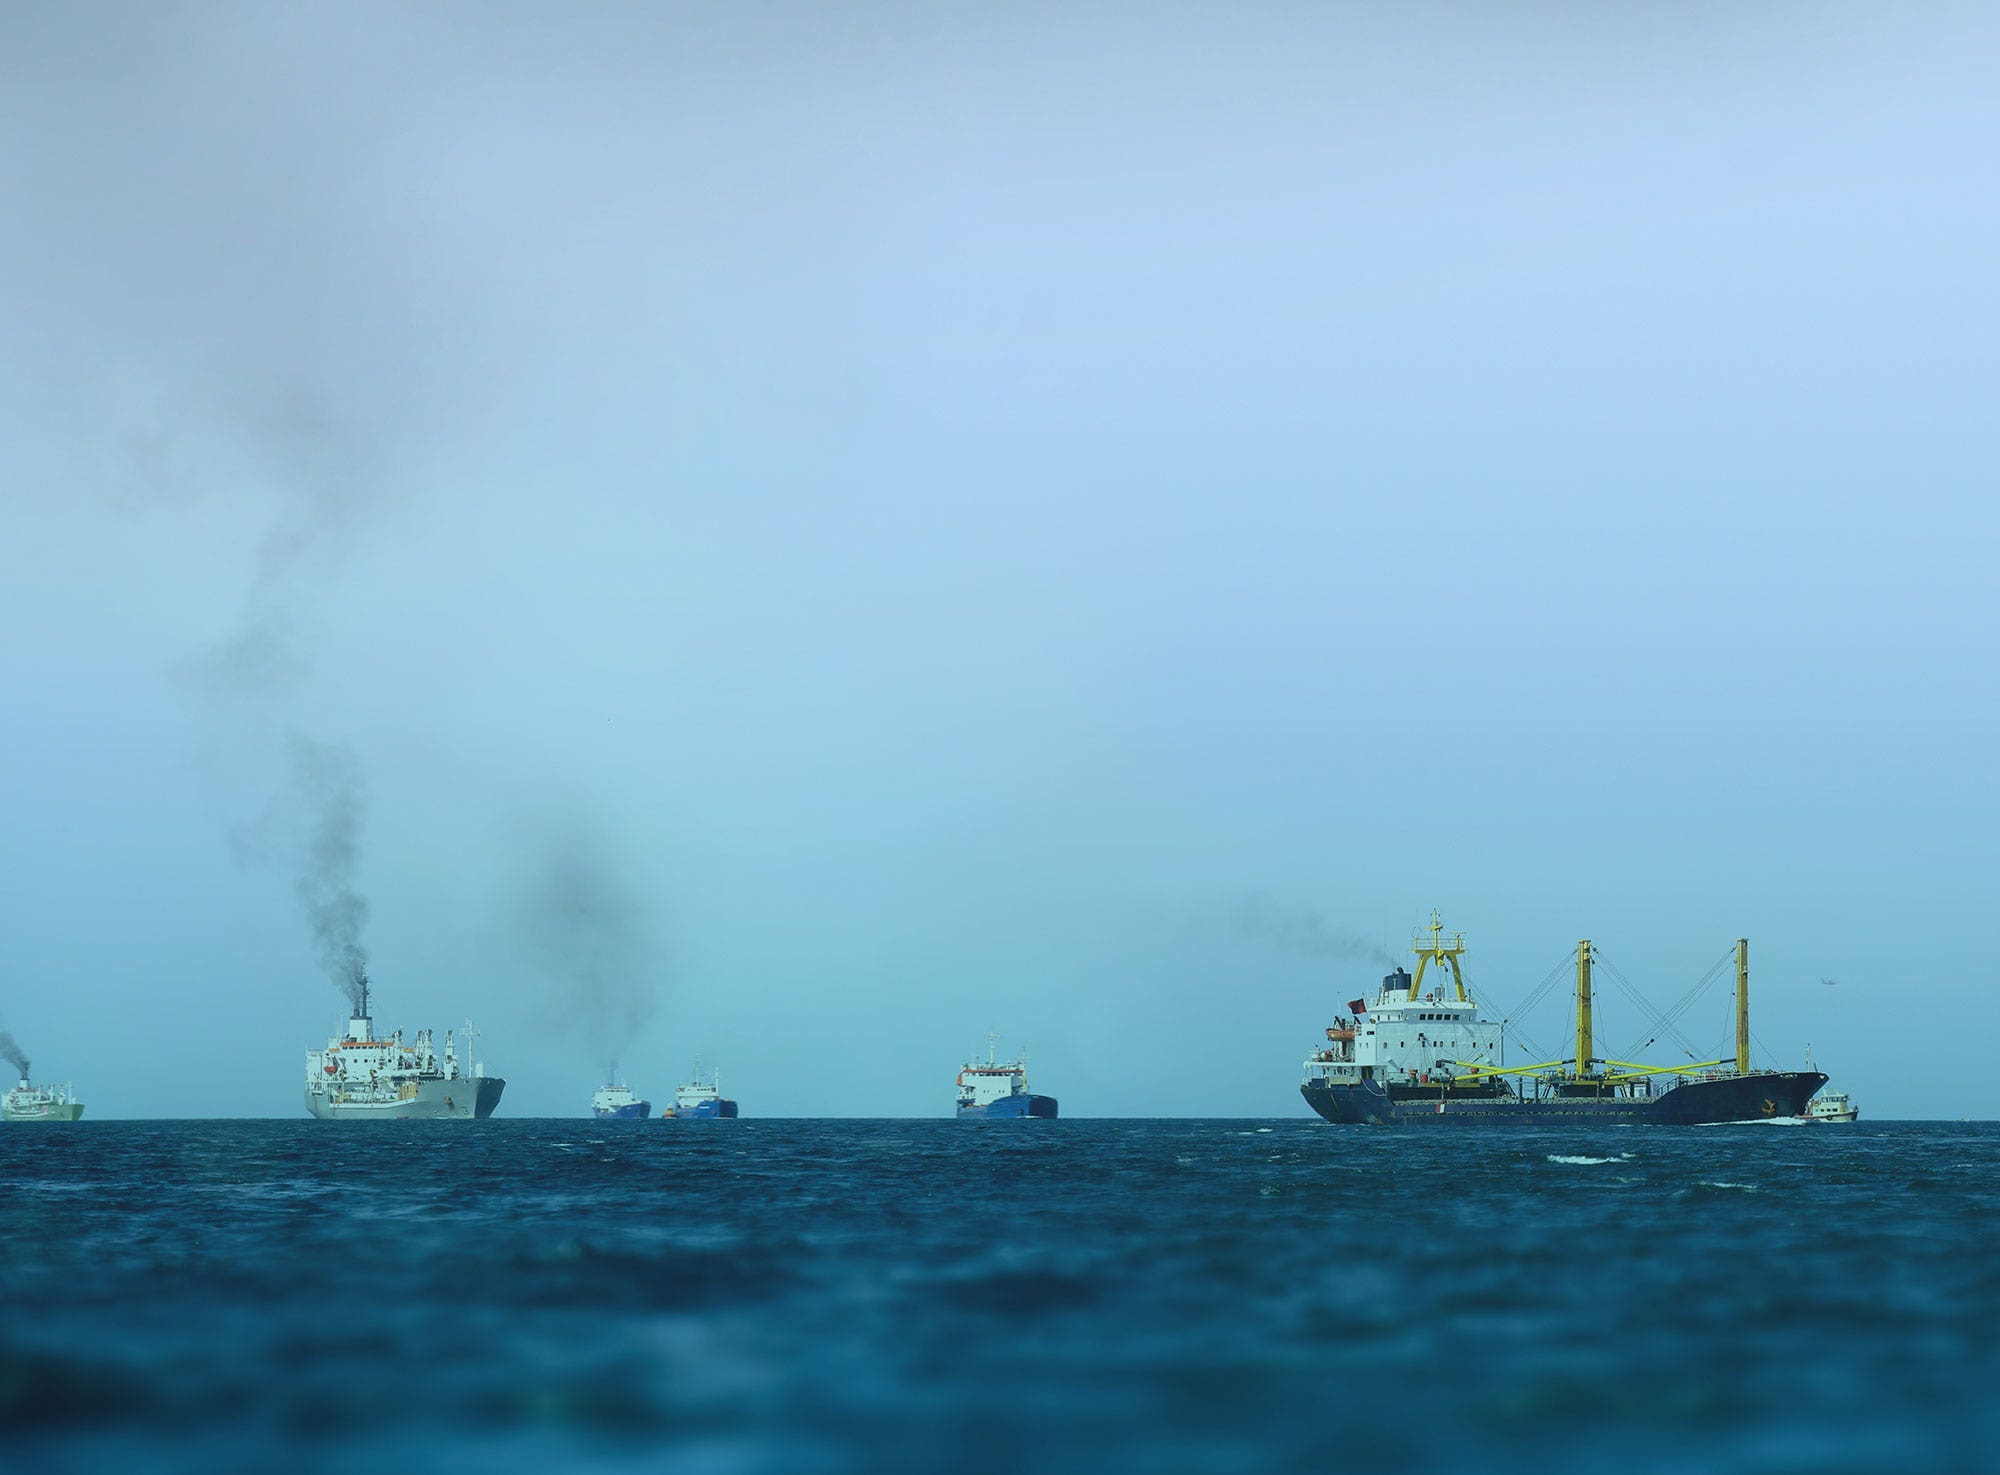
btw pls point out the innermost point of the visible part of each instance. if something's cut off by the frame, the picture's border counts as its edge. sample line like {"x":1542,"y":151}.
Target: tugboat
{"x":361,"y":1078}
{"x":1427,"y":1059}
{"x":701,"y":1100}
{"x":31,"y":1103}
{"x":1832,"y":1106}
{"x":995,"y":1091}
{"x":619,"y":1103}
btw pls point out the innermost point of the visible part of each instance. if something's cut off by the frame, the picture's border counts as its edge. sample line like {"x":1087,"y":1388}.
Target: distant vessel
{"x":360,"y":1078}
{"x":1832,"y":1106}
{"x":701,"y":1099}
{"x":31,"y":1103}
{"x":1426,"y":1059}
{"x":621,"y":1103}
{"x":997,"y":1091}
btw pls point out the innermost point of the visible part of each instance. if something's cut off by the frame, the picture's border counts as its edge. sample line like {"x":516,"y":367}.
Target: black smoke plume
{"x":327,"y":781}
{"x":1303,"y":931}
{"x":591,"y":936}
{"x":11,"y":1051}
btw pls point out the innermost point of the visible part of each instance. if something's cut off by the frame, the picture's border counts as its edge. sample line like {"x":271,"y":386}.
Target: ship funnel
{"x":1397,"y":982}
{"x":360,"y":1026}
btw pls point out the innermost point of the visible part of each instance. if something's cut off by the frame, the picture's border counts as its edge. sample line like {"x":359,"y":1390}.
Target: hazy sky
{"x":817,"y":530}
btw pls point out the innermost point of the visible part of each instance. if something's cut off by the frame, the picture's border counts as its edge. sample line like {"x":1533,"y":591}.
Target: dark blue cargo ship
{"x":1428,"y":1059}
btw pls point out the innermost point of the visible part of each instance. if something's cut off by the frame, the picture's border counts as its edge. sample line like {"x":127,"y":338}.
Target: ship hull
{"x":452,"y":1100}
{"x":1011,"y":1108}
{"x":1754,"y":1098}
{"x":708,"y":1111}
{"x":66,"y":1113}
{"x":638,"y":1111}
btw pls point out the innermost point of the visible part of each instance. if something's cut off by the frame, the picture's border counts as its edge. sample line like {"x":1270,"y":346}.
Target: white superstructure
{"x":982,"y":1084}
{"x":699,"y":1093}
{"x":1400,"y":1040}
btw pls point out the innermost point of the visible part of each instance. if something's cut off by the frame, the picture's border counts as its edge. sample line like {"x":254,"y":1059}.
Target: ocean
{"x":1165,"y":1296}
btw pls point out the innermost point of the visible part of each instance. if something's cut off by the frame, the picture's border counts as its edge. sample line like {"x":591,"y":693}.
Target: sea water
{"x":1161,"y":1296}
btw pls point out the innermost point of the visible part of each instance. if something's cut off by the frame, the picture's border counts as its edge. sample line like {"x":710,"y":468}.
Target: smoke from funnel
{"x":327,"y":781}
{"x":13,"y":1054}
{"x":590,"y":936}
{"x":1303,"y":931}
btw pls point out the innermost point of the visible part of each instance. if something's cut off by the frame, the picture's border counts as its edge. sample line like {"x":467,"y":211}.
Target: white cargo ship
{"x":358,"y":1077}
{"x":28,"y":1102}
{"x":618,"y":1102}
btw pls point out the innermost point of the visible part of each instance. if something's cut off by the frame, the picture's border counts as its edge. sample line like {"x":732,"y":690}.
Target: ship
{"x":359,"y":1077}
{"x":1430,"y":1058}
{"x":620,"y":1103}
{"x":28,"y":1102}
{"x":998,"y":1091}
{"x":701,"y":1100}
{"x":1832,"y":1106}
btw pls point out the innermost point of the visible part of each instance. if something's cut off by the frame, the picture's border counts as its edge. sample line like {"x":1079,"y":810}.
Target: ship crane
{"x":1577,"y":1068}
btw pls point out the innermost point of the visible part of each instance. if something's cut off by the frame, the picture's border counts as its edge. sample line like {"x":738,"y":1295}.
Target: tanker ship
{"x":996,"y":1091}
{"x":361,"y":1078}
{"x":1429,"y":1058}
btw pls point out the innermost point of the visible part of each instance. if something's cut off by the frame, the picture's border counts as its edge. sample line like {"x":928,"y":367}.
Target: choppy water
{"x":888,"y":1296}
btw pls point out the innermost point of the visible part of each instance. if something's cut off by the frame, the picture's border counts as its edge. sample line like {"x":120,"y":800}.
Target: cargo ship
{"x":28,"y":1102}
{"x":614,"y":1102}
{"x":998,"y":1091}
{"x":701,"y":1100}
{"x":1429,"y":1058}
{"x":358,"y":1077}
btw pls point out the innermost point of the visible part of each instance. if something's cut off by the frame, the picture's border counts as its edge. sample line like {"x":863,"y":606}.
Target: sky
{"x":796,"y":535}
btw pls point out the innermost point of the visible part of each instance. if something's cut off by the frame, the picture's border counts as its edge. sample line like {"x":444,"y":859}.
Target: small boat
{"x":1831,"y":1106}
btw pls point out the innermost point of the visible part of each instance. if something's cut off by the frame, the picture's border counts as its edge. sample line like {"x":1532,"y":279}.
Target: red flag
{"x":1355,"y":1006}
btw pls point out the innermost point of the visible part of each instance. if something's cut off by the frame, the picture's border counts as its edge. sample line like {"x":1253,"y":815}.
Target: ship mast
{"x":1583,"y":1040}
{"x":1443,"y":954}
{"x":1743,"y":1006}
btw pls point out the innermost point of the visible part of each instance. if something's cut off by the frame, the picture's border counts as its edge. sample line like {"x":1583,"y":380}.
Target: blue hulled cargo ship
{"x":1429,"y":1059}
{"x":701,"y":1100}
{"x":997,"y":1091}
{"x":620,"y":1103}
